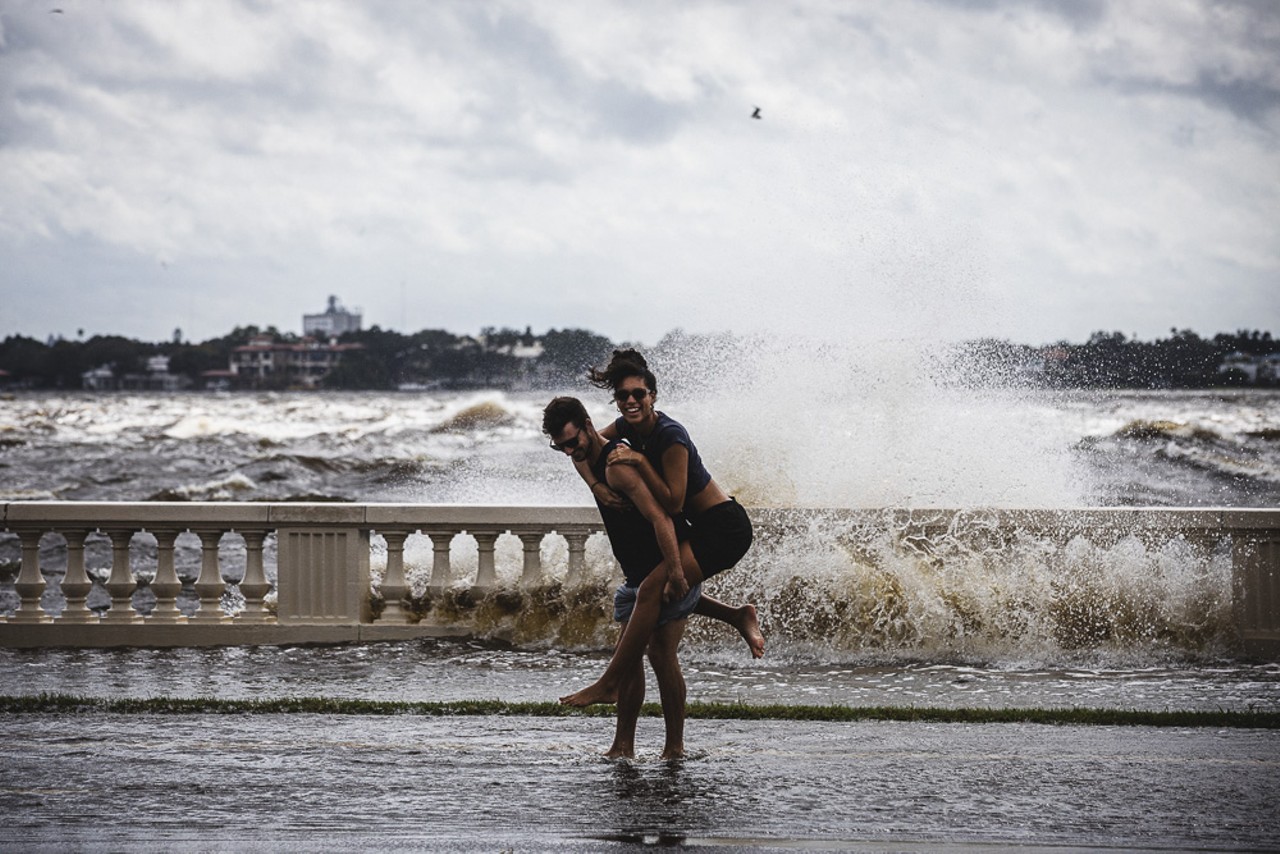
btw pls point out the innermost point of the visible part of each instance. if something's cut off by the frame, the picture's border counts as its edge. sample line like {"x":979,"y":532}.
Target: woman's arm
{"x":600,"y":490}
{"x":670,"y":486}
{"x":628,"y":481}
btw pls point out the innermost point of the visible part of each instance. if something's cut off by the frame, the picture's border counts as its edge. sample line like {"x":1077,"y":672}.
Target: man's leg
{"x":671,"y":687}
{"x":630,"y":699}
{"x":632,"y":644}
{"x":743,"y":618}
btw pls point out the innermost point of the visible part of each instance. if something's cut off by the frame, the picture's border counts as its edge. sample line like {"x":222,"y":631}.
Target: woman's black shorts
{"x":719,"y":537}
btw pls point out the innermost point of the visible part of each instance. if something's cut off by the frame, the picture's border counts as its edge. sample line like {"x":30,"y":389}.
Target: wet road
{"x":311,"y":783}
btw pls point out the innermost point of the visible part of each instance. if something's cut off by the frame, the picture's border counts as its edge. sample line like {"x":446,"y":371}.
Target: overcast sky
{"x":1032,"y":171}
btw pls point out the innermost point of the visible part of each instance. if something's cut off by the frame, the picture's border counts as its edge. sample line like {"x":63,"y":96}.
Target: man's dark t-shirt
{"x":630,"y":534}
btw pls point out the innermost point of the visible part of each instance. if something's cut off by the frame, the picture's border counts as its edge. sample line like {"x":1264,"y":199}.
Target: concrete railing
{"x":323,"y":589}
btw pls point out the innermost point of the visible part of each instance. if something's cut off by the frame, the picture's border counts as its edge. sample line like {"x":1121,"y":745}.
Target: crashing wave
{"x":229,"y":488}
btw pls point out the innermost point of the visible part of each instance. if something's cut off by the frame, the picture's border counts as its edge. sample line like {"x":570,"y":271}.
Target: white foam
{"x":865,"y":424}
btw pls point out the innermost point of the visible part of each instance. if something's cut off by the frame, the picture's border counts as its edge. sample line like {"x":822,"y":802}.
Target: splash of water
{"x":832,"y":589}
{"x":859,"y":423}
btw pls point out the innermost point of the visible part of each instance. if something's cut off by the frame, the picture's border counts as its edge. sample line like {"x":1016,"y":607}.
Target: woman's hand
{"x":677,"y":586}
{"x":609,"y":497}
{"x":624,"y":456}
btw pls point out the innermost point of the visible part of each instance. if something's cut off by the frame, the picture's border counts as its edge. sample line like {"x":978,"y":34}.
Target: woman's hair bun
{"x":625,"y":363}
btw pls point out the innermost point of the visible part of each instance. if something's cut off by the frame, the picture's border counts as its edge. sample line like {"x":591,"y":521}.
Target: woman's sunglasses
{"x":622,"y":395}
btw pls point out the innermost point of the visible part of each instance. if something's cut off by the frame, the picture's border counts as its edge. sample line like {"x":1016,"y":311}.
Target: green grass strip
{"x":69,"y":704}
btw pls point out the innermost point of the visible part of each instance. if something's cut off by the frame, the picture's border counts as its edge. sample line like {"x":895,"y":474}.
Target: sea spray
{"x":857,"y":424}
{"x":869,"y":588}
{"x":794,"y":422}
{"x":889,"y":423}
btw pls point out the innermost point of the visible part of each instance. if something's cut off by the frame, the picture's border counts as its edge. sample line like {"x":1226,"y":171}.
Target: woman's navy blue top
{"x":668,"y":432}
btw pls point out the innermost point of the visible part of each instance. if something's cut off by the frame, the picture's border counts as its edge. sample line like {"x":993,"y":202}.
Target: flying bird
{"x":56,"y":12}
{"x":756,"y":114}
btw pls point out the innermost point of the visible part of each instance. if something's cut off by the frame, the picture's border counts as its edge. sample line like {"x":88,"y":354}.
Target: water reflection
{"x":665,"y":794}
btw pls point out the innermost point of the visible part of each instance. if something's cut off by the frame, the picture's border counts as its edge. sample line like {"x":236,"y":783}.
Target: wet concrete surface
{"x":505,"y":783}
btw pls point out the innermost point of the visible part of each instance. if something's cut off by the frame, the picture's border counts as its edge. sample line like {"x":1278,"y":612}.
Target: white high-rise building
{"x":335,"y":321}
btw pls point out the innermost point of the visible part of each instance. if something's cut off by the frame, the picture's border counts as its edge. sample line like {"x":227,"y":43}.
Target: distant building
{"x":101,"y":378}
{"x":1241,"y":363}
{"x":218,"y":380}
{"x":156,"y":378}
{"x":1257,"y":370}
{"x":1269,"y":368}
{"x":265,"y":361}
{"x":335,"y":321}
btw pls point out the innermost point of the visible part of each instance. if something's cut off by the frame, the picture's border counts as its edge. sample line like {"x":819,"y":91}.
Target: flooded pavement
{"x":308,"y":782}
{"x":507,"y":783}
{"x":448,"y":670}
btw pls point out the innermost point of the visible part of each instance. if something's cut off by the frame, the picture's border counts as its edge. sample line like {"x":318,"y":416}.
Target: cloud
{"x":922,"y":167}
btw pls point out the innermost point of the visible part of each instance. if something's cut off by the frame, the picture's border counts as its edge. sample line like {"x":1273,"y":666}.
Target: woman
{"x":719,"y":531}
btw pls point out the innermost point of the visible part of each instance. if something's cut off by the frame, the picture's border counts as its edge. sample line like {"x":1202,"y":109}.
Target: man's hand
{"x":677,"y":586}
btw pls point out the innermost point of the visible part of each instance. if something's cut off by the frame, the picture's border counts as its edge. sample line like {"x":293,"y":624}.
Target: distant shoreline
{"x":251,"y":359}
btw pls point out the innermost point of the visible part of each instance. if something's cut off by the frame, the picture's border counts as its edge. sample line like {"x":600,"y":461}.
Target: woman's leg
{"x":631,"y":646}
{"x":743,"y":618}
{"x":721,"y":536}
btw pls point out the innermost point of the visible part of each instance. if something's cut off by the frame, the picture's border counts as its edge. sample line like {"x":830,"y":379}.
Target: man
{"x":646,"y":543}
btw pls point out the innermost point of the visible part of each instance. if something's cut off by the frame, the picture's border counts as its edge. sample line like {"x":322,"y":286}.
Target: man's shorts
{"x":624,"y":602}
{"x":719,"y":537}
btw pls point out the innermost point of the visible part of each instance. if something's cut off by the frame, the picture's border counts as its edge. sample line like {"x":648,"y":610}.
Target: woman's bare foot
{"x":748,"y":625}
{"x":590,"y":695}
{"x":673,"y":752}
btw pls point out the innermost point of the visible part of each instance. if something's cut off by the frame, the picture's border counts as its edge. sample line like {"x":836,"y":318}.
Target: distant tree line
{"x":386,"y":360}
{"x":1109,"y":360}
{"x":498,"y":358}
{"x":509,"y":358}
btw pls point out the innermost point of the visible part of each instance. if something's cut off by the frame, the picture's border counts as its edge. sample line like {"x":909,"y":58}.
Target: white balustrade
{"x":30,"y":582}
{"x":76,"y":583}
{"x":395,"y":589}
{"x":323,"y":589}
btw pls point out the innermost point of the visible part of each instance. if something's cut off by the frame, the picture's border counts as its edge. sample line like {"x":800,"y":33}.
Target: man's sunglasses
{"x":567,"y":444}
{"x":638,"y":394}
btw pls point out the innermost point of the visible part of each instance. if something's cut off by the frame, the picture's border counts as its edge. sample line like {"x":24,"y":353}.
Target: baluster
{"x":254,"y":586}
{"x":532,"y":572}
{"x":166,"y":584}
{"x":394,"y":587}
{"x":121,"y":584}
{"x":76,"y":584}
{"x":441,"y":570}
{"x":209,"y":585}
{"x":486,"y":572}
{"x":30,"y":583}
{"x":577,"y":540}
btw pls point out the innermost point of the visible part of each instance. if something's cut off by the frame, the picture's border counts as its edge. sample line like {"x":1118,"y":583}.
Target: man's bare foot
{"x":748,"y":625}
{"x":673,"y":752}
{"x":621,"y":751}
{"x":590,"y":695}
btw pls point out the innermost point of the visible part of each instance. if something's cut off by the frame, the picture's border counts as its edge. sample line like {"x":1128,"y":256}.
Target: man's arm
{"x":626,"y":480}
